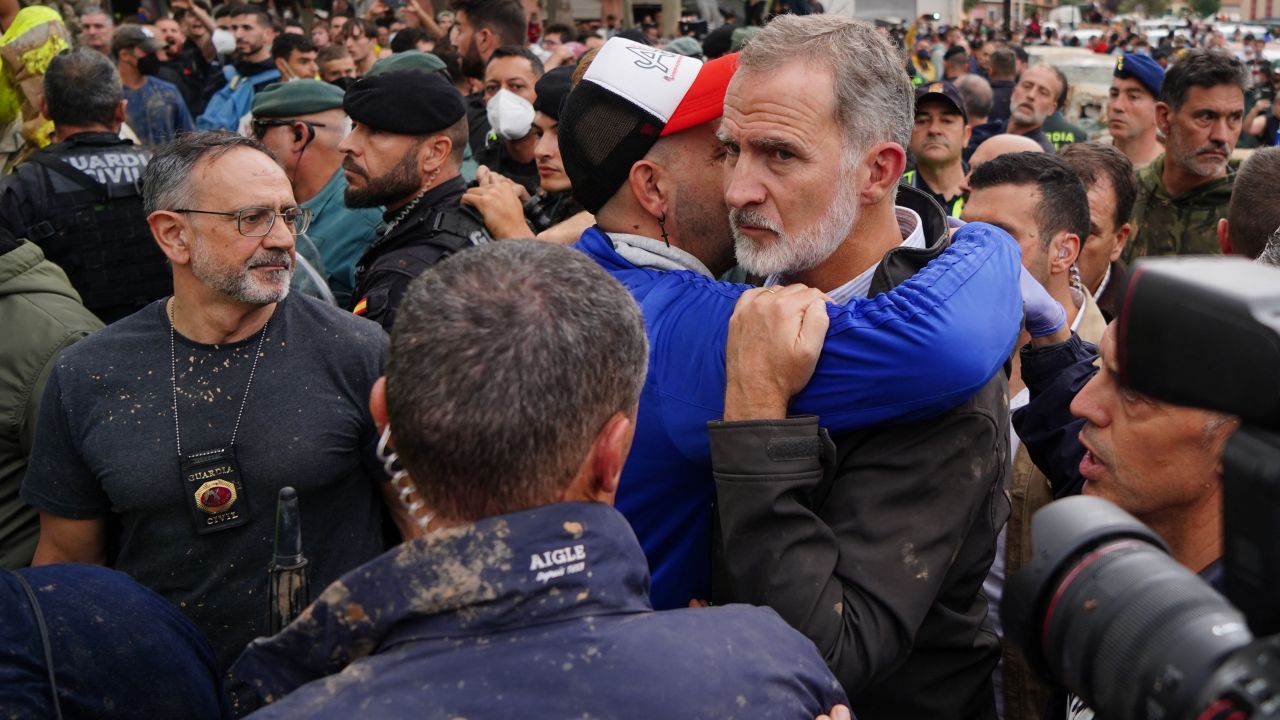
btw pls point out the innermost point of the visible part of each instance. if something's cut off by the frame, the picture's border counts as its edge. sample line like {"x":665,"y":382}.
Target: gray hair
{"x":875,"y":102}
{"x":506,"y":361}
{"x":166,"y":183}
{"x":82,"y":88}
{"x":976,"y":93}
{"x":1271,"y":252}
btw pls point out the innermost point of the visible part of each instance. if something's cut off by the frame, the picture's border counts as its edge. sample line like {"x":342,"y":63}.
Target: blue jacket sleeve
{"x":1045,"y":425}
{"x":915,"y":351}
{"x":927,"y":345}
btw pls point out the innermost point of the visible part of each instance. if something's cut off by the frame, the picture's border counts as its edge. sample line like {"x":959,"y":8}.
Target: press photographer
{"x":1101,"y":609}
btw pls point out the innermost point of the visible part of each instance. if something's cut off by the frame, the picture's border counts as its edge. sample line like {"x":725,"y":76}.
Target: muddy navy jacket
{"x":537,"y":614}
{"x":916,"y":351}
{"x":119,"y":650}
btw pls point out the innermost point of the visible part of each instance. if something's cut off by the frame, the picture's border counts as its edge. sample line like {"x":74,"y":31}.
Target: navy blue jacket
{"x":119,"y":650}
{"x":537,"y":614}
{"x":1054,"y":375}
{"x":916,"y":351}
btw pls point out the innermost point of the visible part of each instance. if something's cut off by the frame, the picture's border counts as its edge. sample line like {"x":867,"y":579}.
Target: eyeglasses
{"x":260,"y":127}
{"x":257,"y":221}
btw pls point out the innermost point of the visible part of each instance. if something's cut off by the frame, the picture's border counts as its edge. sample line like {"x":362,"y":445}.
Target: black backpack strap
{"x":44,"y":640}
{"x":102,"y":192}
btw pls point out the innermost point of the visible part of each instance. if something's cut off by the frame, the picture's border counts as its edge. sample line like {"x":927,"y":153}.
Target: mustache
{"x":349,"y":165}
{"x":1213,"y":146}
{"x":740,"y":217}
{"x":271,"y":257}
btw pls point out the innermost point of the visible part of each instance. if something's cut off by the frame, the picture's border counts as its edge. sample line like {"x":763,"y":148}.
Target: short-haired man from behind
{"x":1108,"y":177}
{"x":525,"y":552}
{"x":1003,"y":65}
{"x":42,"y":315}
{"x":404,"y":153}
{"x":1252,"y":217}
{"x":1183,"y":193}
{"x":253,"y":69}
{"x":1039,"y":199}
{"x":976,"y":92}
{"x":302,"y":123}
{"x":1131,"y":110}
{"x":938,"y":139}
{"x":78,"y":199}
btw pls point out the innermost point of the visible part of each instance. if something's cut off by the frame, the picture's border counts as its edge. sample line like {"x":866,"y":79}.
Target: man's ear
{"x":485,"y":41}
{"x":378,"y":404}
{"x":43,"y":105}
{"x":1122,"y":239}
{"x":1224,"y":236}
{"x":646,"y":181}
{"x":1164,"y":116}
{"x":172,"y":235}
{"x":435,"y":151}
{"x":120,"y":116}
{"x":283,"y":68}
{"x":885,"y":163}
{"x":1063,"y":251}
{"x":598,"y":476}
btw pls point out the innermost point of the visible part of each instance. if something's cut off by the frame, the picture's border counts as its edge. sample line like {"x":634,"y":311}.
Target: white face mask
{"x":510,"y":115}
{"x":224,"y":41}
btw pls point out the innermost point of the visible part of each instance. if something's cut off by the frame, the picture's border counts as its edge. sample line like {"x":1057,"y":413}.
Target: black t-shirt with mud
{"x":106,"y":447}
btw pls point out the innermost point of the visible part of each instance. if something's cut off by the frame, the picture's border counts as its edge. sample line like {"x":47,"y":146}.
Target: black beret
{"x":551,"y":89}
{"x":404,"y":102}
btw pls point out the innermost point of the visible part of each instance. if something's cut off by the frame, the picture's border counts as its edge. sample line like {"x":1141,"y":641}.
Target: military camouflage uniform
{"x":1183,"y":225}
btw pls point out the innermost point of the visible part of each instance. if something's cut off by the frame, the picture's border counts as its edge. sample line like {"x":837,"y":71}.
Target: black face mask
{"x":149,"y":64}
{"x":344,"y":82}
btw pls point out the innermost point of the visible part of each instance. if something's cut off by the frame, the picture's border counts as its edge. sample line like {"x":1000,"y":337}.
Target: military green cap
{"x":407,"y":60}
{"x":300,"y":97}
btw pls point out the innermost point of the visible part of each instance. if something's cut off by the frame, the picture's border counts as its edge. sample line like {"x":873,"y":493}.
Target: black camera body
{"x":1102,"y":609}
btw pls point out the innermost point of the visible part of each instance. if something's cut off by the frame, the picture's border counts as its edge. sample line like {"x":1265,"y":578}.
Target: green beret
{"x":686,"y":46}
{"x":406,"y":102}
{"x":300,"y":97}
{"x":741,"y":37}
{"x":407,"y":60}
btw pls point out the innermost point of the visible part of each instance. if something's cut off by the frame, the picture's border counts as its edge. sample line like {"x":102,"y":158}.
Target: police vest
{"x":96,"y":230}
{"x":419,"y":243}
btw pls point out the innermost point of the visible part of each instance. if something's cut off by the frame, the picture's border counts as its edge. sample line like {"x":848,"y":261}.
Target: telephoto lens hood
{"x":1061,"y":532}
{"x":1105,"y":611}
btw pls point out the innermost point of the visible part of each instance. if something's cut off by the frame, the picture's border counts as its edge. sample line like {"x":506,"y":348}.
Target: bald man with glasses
{"x":165,"y":439}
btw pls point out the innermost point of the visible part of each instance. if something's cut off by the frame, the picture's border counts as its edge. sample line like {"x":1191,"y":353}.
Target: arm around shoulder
{"x":927,"y":345}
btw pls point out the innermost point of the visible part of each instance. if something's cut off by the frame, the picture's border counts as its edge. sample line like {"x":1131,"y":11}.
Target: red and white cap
{"x":631,"y":96}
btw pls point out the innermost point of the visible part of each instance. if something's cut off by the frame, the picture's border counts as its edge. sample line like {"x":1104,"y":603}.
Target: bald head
{"x":997,"y":145}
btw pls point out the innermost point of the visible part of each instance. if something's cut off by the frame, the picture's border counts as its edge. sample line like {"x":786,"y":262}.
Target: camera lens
{"x":1129,"y":629}
{"x":1103,"y":610}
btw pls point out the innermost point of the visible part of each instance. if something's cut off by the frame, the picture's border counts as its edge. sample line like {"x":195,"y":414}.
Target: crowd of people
{"x":613,"y":377}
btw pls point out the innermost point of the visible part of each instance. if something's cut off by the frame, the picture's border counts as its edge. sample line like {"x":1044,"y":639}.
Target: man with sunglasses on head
{"x":165,"y":439}
{"x":302,"y":122}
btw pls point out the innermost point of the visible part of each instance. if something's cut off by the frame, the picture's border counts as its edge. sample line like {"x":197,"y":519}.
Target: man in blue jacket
{"x":528,"y":591}
{"x":638,"y":140}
